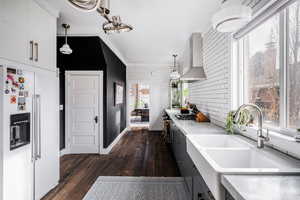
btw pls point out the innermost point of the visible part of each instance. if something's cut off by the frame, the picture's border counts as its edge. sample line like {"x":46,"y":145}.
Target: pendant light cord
{"x":174,"y":55}
{"x":66,"y":38}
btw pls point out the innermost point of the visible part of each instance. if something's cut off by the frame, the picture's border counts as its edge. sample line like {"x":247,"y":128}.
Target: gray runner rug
{"x":137,"y":188}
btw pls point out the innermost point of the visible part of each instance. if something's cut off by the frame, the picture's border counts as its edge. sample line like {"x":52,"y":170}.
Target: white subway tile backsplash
{"x":212,"y":96}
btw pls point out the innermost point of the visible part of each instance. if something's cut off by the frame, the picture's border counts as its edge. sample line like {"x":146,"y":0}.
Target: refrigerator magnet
{"x":26,"y":93}
{"x":21,"y":103}
{"x":21,"y":87}
{"x":13,"y":99}
{"x":21,"y":93}
{"x":11,"y":71}
{"x":19,"y":72}
{"x":6,"y":91}
{"x":21,"y":80}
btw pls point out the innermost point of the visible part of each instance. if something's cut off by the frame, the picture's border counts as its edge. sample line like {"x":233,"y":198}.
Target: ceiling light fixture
{"x":174,"y":74}
{"x":113,"y":24}
{"x":86,"y":5}
{"x":232,"y":16}
{"x":65,"y":49}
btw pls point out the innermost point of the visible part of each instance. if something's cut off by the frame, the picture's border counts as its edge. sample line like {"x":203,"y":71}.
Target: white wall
{"x":213,"y":96}
{"x":157,"y":77}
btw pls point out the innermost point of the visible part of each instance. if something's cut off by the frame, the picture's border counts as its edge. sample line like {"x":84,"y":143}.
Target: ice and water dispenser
{"x":19,"y":130}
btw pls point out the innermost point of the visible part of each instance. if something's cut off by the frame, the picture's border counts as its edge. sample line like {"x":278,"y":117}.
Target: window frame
{"x":241,"y":56}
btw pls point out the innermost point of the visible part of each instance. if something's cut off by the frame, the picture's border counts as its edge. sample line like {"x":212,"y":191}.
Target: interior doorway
{"x":139,"y":105}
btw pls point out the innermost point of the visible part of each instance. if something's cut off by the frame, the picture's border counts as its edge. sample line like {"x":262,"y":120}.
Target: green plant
{"x":230,"y":122}
{"x":244,"y":119}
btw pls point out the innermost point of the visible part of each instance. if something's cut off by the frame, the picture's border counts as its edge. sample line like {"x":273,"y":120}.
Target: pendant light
{"x":65,"y":49}
{"x":174,"y":74}
{"x":232,"y":16}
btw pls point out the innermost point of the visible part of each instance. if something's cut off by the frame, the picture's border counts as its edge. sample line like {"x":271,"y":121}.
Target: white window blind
{"x":276,"y":7}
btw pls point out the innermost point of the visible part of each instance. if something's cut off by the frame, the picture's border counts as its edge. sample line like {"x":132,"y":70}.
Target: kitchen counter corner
{"x":262,"y":187}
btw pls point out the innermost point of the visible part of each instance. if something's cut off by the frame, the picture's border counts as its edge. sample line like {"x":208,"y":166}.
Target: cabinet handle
{"x":210,"y":196}
{"x":36,"y":51}
{"x":31,"y":50}
{"x":200,"y":196}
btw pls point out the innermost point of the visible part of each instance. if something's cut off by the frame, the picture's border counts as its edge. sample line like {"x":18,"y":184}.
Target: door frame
{"x":67,"y":108}
{"x":129,"y":83}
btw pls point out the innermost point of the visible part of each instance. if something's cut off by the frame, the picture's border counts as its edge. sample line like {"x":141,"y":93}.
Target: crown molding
{"x":49,"y":8}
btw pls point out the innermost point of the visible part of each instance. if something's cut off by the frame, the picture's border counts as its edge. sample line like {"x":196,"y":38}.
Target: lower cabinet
{"x":195,"y":184}
{"x":200,"y":189}
{"x":228,"y":196}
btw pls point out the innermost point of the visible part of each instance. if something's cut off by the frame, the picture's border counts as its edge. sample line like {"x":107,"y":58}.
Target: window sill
{"x":286,"y":134}
{"x":284,"y":143}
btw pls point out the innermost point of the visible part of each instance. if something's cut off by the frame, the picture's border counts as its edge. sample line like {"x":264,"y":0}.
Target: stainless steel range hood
{"x":193,"y":65}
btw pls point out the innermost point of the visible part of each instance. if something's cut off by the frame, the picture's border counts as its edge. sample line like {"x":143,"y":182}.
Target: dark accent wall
{"x":113,"y":126}
{"x":91,"y":53}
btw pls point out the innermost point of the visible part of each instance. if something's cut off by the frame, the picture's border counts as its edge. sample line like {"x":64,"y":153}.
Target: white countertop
{"x":193,"y":127}
{"x":263,"y":187}
{"x":246,"y":187}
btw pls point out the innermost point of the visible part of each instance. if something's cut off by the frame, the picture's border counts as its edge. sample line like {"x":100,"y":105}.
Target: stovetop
{"x":185,"y":116}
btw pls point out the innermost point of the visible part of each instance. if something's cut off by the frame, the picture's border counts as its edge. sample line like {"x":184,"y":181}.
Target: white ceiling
{"x":161,"y":27}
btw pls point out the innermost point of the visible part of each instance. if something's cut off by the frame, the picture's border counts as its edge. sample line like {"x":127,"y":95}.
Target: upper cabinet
{"x":28,"y":34}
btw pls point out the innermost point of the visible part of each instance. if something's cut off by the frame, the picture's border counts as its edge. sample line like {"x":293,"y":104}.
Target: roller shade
{"x":274,"y":8}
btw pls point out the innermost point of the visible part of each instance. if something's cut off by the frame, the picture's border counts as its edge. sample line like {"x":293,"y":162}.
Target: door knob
{"x":96,"y":119}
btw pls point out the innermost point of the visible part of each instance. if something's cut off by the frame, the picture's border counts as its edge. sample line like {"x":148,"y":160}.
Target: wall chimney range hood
{"x":192,"y":68}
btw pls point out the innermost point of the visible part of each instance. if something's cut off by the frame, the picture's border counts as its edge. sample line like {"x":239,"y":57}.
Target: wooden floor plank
{"x":138,"y":153}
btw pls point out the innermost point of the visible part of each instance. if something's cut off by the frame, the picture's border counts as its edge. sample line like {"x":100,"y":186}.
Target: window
{"x":269,"y":59}
{"x":293,"y":67}
{"x":261,"y":70}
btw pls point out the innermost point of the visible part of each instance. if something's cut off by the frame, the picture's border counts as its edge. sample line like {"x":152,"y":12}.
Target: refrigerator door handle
{"x":34,"y":132}
{"x":31,"y":50}
{"x":39,"y":134}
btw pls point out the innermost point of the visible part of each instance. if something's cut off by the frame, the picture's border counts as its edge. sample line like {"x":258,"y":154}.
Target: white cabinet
{"x":43,"y":34}
{"x":14,"y":44}
{"x":28,"y":33}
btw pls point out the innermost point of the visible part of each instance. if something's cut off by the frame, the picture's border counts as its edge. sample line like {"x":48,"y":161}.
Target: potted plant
{"x":245,"y":118}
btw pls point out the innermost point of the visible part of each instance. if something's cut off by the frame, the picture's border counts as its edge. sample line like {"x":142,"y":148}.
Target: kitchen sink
{"x":217,"y":155}
{"x":218,"y":141}
{"x":239,"y":161}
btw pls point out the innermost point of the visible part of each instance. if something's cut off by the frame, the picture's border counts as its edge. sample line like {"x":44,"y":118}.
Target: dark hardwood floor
{"x":138,"y":153}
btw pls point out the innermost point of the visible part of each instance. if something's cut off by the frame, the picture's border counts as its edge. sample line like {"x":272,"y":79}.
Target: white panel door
{"x":83,"y":113}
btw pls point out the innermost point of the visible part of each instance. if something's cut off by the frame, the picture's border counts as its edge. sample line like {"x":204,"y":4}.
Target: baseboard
{"x":109,"y":148}
{"x":64,"y":152}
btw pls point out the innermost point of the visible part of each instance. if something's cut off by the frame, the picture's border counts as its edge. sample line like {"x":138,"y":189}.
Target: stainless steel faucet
{"x":260,"y":137}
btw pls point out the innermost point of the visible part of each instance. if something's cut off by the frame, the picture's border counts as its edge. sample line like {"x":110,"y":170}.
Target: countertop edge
{"x":176,"y":121}
{"x":231,"y":189}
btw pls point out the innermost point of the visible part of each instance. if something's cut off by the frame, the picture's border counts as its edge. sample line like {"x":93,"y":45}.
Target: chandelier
{"x":113,"y":24}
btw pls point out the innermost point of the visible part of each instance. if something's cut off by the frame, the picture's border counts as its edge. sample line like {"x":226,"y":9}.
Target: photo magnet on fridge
{"x":21,"y":103}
